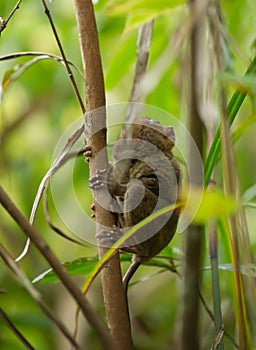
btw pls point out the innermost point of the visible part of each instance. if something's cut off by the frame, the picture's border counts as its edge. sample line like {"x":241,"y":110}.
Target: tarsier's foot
{"x":108,"y":238}
{"x":98,"y":180}
{"x":88,"y":153}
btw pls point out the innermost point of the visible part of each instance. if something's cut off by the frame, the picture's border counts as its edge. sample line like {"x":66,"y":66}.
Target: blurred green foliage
{"x":38,"y":107}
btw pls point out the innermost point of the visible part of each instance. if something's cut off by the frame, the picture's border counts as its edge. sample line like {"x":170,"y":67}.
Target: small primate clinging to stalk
{"x":143,"y":178}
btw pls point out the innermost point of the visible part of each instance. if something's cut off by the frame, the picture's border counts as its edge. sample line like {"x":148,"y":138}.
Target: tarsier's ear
{"x":170,"y":133}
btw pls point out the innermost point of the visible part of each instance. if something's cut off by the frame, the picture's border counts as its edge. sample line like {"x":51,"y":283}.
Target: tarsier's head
{"x":150,"y":130}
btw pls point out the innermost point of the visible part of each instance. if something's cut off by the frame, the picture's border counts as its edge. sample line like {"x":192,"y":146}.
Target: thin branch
{"x":70,"y":74}
{"x":35,"y":294}
{"x":89,"y":313}
{"x":5,"y":21}
{"x":112,"y":287}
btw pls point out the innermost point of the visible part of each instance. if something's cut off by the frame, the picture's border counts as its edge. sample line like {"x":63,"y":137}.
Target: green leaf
{"x":214,"y":153}
{"x":243,"y":127}
{"x":135,"y":20}
{"x":141,"y":11}
{"x":11,"y":75}
{"x":213,"y":204}
{"x":148,"y":6}
{"x":246,"y":83}
{"x":161,"y":267}
{"x":8,"y":78}
{"x":250,"y":193}
{"x":81,"y":266}
{"x":234,"y":105}
{"x":247,"y":270}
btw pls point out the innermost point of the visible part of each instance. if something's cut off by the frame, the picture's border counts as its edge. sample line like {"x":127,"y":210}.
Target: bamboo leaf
{"x":250,"y":193}
{"x":81,"y":266}
{"x":246,"y":84}
{"x":213,"y":204}
{"x":146,"y":6}
{"x":243,"y":127}
{"x":232,"y":110}
{"x":247,"y":270}
{"x":142,"y":11}
{"x":11,"y":75}
{"x":8,"y":78}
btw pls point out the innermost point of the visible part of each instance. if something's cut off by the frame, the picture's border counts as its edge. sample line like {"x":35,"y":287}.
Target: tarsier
{"x":143,"y":178}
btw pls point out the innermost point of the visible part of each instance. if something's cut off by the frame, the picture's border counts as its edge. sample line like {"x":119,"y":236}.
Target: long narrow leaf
{"x":13,"y":74}
{"x":232,"y":110}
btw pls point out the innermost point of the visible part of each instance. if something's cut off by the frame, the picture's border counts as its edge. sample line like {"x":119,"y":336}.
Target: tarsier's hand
{"x":144,"y":177}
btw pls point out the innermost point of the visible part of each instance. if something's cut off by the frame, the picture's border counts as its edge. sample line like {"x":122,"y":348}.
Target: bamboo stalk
{"x":193,"y":239}
{"x":113,"y":292}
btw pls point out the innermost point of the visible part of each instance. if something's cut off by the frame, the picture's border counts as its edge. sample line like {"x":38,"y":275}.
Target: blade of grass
{"x":232,"y":188}
{"x":243,"y":127}
{"x":231,"y":185}
{"x":112,"y":250}
{"x":232,"y":109}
